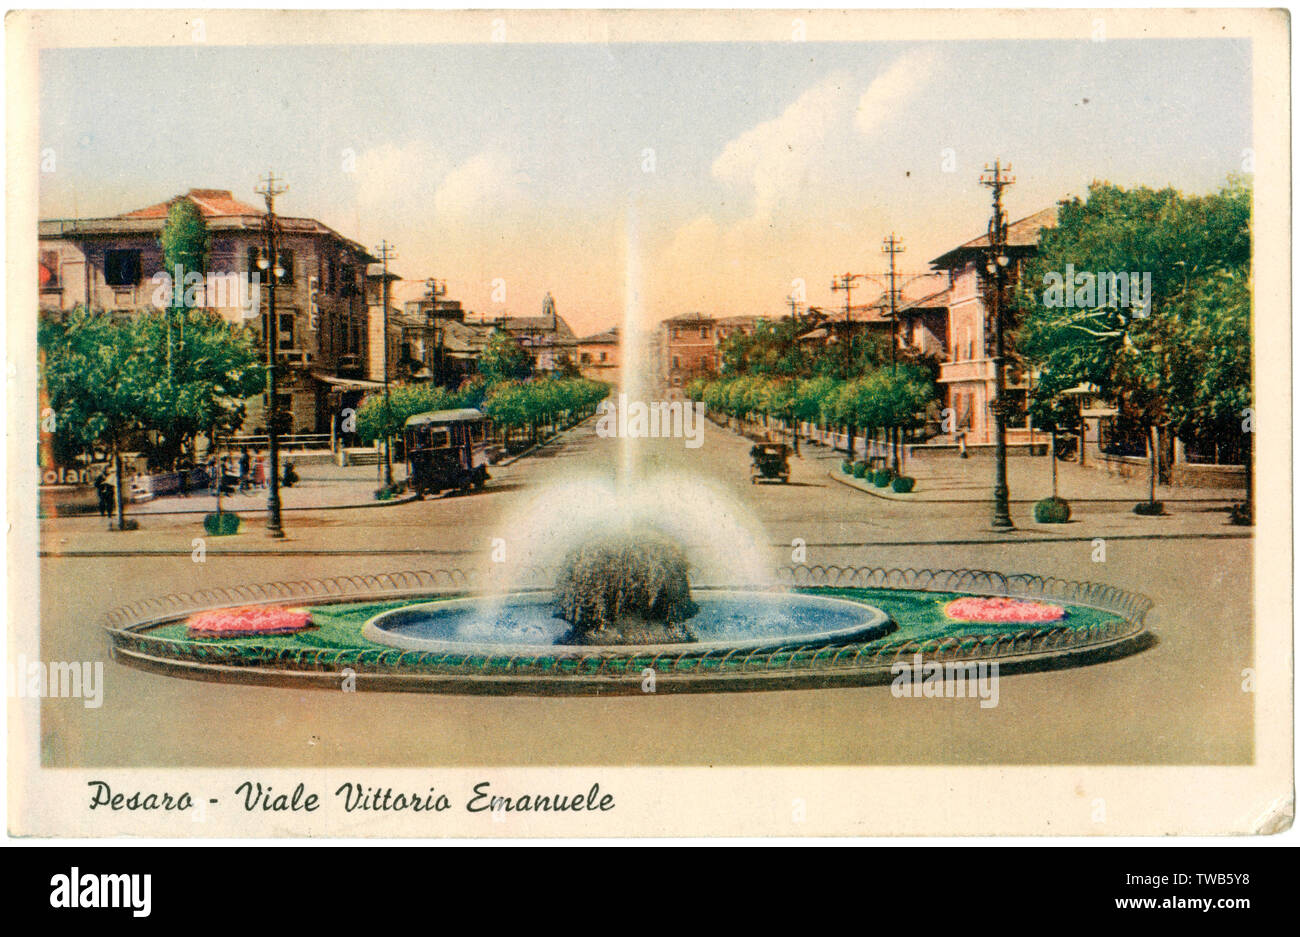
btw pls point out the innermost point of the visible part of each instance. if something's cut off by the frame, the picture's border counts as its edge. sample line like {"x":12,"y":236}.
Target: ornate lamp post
{"x":995,"y":269}
{"x":270,"y":262}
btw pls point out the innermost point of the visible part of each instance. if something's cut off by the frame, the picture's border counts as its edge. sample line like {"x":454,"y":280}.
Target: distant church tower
{"x":548,"y":309}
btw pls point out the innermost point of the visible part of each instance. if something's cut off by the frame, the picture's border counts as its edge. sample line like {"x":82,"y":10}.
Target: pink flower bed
{"x":998,"y":610}
{"x":247,"y":620}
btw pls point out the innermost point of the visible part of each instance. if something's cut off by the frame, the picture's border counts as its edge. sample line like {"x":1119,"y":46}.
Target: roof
{"x":1022,"y":237}
{"x":212,"y":203}
{"x":607,"y":337}
{"x":936,"y":300}
{"x":445,"y":416}
{"x":691,"y":317}
{"x":222,"y":211}
{"x":556,"y":329}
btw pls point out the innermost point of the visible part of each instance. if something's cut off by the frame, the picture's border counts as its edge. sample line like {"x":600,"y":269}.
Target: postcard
{"x":647,"y":423}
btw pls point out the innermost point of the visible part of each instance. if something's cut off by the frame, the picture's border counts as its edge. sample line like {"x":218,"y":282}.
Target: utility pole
{"x":844,"y":282}
{"x":794,"y":306}
{"x":386,"y":253}
{"x":996,"y":178}
{"x":893,"y":246}
{"x":433,"y":289}
{"x":270,"y":263}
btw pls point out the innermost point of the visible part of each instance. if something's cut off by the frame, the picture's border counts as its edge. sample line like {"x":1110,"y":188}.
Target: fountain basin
{"x":525,"y":624}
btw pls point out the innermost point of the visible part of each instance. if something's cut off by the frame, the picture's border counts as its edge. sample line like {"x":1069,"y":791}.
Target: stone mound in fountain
{"x":625,"y":588}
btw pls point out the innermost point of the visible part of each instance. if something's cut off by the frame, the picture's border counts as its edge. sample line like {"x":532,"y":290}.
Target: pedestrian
{"x":290,"y":475}
{"x":259,"y":471}
{"x":245,"y":469}
{"x":103,"y":490}
{"x":226,"y":483}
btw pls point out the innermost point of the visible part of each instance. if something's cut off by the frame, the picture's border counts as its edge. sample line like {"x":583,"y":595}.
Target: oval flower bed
{"x":247,"y":620}
{"x":1000,"y":610}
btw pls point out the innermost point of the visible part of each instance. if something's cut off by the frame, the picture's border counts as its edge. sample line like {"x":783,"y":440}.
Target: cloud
{"x":481,"y":186}
{"x":775,"y":157}
{"x":893,"y":88}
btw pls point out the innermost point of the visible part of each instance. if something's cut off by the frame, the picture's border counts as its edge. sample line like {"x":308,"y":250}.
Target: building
{"x":688,"y":348}
{"x":600,"y":357}
{"x":547,"y":338}
{"x":923,"y":324}
{"x":325,"y":329}
{"x":966,"y":377}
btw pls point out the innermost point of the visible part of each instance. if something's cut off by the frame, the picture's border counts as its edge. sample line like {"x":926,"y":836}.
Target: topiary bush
{"x":903,"y":484}
{"x":846,"y":467}
{"x":221,"y":525}
{"x":883,"y":477}
{"x":1149,"y":508}
{"x":859,"y":469}
{"x":1052,"y":510}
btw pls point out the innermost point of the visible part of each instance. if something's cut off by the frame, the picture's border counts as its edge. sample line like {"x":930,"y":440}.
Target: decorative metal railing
{"x":129,"y":628}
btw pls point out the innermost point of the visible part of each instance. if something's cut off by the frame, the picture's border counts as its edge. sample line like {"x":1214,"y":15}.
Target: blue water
{"x":727,"y":618}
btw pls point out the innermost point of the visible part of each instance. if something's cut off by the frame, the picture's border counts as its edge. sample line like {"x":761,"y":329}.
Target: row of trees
{"x":533,"y":405}
{"x":883,"y":404}
{"x":1182,"y":362}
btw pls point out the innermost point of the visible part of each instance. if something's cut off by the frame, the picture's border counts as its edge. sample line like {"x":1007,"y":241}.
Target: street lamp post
{"x":386,"y":253}
{"x":270,"y":263}
{"x":996,"y":270}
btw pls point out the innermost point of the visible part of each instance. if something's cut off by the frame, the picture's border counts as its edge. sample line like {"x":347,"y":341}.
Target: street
{"x":1178,"y":702}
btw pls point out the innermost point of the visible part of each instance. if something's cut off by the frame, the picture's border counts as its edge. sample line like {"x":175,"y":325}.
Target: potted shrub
{"x":221,"y":524}
{"x":883,"y":477}
{"x":1052,"y":510}
{"x":846,"y":467}
{"x":903,"y":484}
{"x":859,"y":469}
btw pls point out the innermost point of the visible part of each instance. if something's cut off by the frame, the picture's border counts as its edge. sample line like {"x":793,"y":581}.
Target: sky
{"x":729,"y":175}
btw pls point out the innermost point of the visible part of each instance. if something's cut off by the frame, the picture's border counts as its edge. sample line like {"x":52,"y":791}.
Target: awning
{"x":351,"y":383}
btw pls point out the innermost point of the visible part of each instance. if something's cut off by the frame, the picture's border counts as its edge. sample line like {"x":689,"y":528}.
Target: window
{"x":50,"y":270}
{"x":286,"y":262}
{"x":122,"y":267}
{"x":603,"y":356}
{"x":704,"y":331}
{"x":584,"y":358}
{"x":284,"y":334}
{"x":677,"y":362}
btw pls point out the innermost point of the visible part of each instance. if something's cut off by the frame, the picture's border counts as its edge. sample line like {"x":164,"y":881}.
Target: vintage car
{"x":446,"y":449}
{"x":770,"y":461}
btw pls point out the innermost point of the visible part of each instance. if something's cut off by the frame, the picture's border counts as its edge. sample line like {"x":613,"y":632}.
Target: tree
{"x":95,"y":382}
{"x":185,"y":242}
{"x":504,"y":359}
{"x":1147,"y":358}
{"x":199,"y":385}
